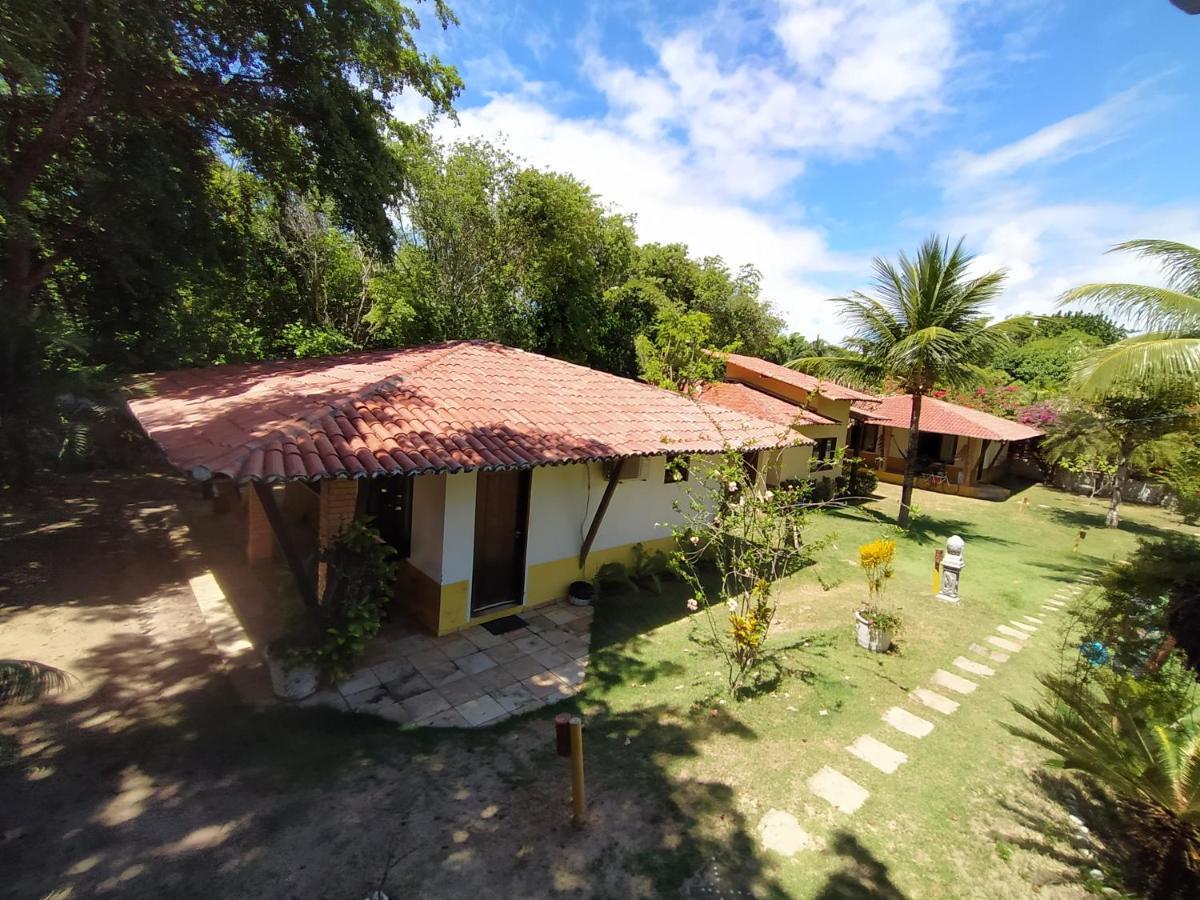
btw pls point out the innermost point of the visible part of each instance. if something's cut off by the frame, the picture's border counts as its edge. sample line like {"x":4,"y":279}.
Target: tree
{"x":1121,"y":424}
{"x":925,"y":326}
{"x":1048,"y":362}
{"x":681,"y":355}
{"x":113,"y":112}
{"x":1121,"y":733}
{"x":1169,"y":316}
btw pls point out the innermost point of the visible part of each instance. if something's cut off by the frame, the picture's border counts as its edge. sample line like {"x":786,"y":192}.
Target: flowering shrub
{"x":752,"y":537}
{"x":876,"y":561}
{"x":1039,"y":415}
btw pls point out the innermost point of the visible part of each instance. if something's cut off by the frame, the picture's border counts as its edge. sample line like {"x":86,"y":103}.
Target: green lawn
{"x":965,"y":811}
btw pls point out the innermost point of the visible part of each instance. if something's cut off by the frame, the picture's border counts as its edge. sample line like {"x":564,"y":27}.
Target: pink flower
{"x":695,"y":539}
{"x":692,"y":605}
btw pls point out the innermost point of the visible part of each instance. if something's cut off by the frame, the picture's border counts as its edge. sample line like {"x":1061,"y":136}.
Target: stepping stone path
{"x":780,"y":831}
{"x":877,"y":754}
{"x":973,"y":667}
{"x":934,"y":700}
{"x":1009,"y":631}
{"x":994,"y":655}
{"x":905,"y":722}
{"x":1010,"y":646}
{"x":953,"y":682}
{"x":837,"y":790}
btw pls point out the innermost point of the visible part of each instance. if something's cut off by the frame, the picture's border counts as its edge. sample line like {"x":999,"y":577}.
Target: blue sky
{"x":806,"y":136}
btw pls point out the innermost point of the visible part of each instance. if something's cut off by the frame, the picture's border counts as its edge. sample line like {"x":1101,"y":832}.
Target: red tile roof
{"x":743,"y":399}
{"x":446,"y":408}
{"x":810,"y":383}
{"x":940,"y":417}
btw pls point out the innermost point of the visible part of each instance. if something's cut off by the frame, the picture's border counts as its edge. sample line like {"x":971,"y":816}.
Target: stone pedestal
{"x":952,"y":566}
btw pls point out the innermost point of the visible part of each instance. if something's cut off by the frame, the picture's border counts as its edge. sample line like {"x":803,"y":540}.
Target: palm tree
{"x":1169,"y":316}
{"x":1144,"y":754}
{"x":23,"y":680}
{"x":925,"y":326}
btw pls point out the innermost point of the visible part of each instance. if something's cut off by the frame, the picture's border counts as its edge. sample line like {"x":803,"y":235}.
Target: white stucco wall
{"x":560,"y":510}
{"x":458,"y":556}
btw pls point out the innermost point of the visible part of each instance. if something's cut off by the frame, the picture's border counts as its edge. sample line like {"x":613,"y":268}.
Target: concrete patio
{"x":470,"y":678}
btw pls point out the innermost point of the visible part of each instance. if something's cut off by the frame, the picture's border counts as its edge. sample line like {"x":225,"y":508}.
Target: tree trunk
{"x":910,"y":464}
{"x":1113,"y":519}
{"x":1173,"y":876}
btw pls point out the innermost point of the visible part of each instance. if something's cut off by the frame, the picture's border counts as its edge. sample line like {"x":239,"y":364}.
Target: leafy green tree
{"x":1121,"y":424}
{"x":1169,"y":317}
{"x":113,"y":113}
{"x":926,"y":325}
{"x":681,"y":355}
{"x":1099,"y":326}
{"x":1140,"y":745}
{"x":1048,"y":362}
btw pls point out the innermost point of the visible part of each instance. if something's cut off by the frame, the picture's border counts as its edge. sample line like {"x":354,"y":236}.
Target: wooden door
{"x":501,"y":514}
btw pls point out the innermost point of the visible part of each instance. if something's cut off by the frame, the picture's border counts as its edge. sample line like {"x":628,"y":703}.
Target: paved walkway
{"x":934,"y":703}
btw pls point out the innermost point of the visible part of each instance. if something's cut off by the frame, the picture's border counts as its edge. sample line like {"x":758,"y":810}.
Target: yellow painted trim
{"x":979,"y":491}
{"x":549,"y":581}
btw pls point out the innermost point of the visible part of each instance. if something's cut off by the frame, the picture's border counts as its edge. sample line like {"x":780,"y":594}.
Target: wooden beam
{"x":609,"y":490}
{"x":295,"y":561}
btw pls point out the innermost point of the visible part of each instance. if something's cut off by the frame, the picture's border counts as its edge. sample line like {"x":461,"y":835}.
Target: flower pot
{"x":869,"y":637}
{"x":292,"y":681}
{"x":580,"y":593}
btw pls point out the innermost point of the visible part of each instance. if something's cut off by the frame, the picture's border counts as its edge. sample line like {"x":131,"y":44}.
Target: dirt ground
{"x":147,"y":778}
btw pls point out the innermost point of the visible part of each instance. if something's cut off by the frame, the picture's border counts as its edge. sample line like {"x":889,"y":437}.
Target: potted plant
{"x":580,"y":593}
{"x":874,"y":625}
{"x":293,"y":662}
{"x":875,"y":628}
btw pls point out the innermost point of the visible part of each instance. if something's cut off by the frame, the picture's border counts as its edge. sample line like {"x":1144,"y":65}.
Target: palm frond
{"x":23,"y":680}
{"x":1146,"y":355}
{"x":1180,"y":262}
{"x":1145,"y":306}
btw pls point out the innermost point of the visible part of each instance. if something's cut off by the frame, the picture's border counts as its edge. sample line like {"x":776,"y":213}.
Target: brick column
{"x":339,"y":499}
{"x":260,"y":538}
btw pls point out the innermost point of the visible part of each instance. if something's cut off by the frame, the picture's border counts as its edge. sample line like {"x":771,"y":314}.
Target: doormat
{"x":505,"y":625}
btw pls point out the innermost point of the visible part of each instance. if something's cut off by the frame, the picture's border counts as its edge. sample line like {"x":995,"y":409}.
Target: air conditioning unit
{"x":633,"y":468}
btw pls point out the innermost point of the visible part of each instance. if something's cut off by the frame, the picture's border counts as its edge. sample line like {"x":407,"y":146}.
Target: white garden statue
{"x":952,"y":565}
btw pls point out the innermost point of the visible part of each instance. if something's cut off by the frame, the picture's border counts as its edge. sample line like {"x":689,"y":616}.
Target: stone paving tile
{"x":459,"y":692}
{"x":531,"y":644}
{"x":877,"y":753}
{"x":494,"y":679}
{"x":1003,"y":644}
{"x":446,"y":718}
{"x":331,"y":698}
{"x":506,"y":652}
{"x":579,"y":626}
{"x":360,"y":680}
{"x":412,"y":645}
{"x":437,"y":669}
{"x":571,"y":673}
{"x":543,"y":685}
{"x":514,"y":697}
{"x":458,"y":648}
{"x":551,"y":657}
{"x":389,"y":709}
{"x":994,"y":655}
{"x":1024,"y":626}
{"x":480,"y":711}
{"x":905,"y":722}
{"x":365,"y":696}
{"x":1009,"y":631}
{"x":422,"y":706}
{"x":523,"y":667}
{"x":539,"y":624}
{"x":516,"y":634}
{"x":575,"y":648}
{"x":934,"y":700}
{"x":781,"y":832}
{"x":837,"y":790}
{"x":561,"y":615}
{"x":409,"y":686}
{"x":482,"y":638}
{"x":475,"y":663}
{"x":556,"y":636}
{"x":969,"y":665}
{"x":1034,"y":619}
{"x":392,"y":669}
{"x":952,"y":682}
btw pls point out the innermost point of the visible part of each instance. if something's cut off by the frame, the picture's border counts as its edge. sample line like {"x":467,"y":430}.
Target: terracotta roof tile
{"x":445,"y":408}
{"x":830,"y":389}
{"x":743,"y":399}
{"x":940,"y":417}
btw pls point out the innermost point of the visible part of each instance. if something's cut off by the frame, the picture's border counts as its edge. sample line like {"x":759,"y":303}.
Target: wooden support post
{"x":260,"y":542}
{"x":578,"y":790}
{"x":609,"y":490}
{"x":304,"y":582}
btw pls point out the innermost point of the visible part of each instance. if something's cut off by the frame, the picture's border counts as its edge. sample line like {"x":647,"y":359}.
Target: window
{"x":678,"y":467}
{"x":825,"y":450}
{"x":389,"y":505}
{"x":865,"y":437}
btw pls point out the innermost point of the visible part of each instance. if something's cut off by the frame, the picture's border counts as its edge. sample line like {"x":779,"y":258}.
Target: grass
{"x":960,"y":811}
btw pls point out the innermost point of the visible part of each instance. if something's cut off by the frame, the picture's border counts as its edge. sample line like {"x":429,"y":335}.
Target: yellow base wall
{"x":978,"y":491}
{"x":549,"y":581}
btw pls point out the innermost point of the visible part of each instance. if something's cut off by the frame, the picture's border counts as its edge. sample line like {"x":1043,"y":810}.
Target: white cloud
{"x":1080,"y":133}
